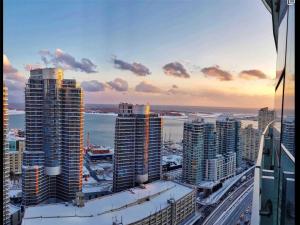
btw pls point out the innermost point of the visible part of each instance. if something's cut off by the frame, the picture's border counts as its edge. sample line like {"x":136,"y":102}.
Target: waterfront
{"x":101,"y":127}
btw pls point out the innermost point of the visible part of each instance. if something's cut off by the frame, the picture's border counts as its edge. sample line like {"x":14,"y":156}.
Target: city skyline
{"x":116,"y":58}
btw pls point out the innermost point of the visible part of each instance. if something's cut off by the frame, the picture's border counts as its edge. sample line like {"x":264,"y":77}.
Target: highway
{"x":224,"y":205}
{"x":234,"y":216}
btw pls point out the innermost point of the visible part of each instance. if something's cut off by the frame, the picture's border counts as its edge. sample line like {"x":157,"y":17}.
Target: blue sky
{"x":224,"y":35}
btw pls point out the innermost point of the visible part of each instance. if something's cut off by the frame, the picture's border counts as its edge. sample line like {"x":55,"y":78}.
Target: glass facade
{"x":274,"y":187}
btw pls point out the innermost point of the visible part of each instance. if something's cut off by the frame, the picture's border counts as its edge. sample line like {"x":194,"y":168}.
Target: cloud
{"x":14,"y":81}
{"x":118,"y":84}
{"x":137,"y":68}
{"x":68,"y":62}
{"x":215,"y":71}
{"x":146,"y":87}
{"x":249,"y":74}
{"x":11,"y":73}
{"x":93,"y":86}
{"x":176,"y":69}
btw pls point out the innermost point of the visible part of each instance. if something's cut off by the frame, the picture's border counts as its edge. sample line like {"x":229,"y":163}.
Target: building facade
{"x":193,"y":151}
{"x":138,"y":143}
{"x":274,"y":184}
{"x":53,"y":156}
{"x":16,"y":149}
{"x":250,"y":142}
{"x":214,"y":168}
{"x":228,"y":136}
{"x":6,"y":217}
{"x":265,"y":116}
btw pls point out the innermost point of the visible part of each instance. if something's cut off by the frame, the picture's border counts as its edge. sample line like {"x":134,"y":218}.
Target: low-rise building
{"x":159,"y":202}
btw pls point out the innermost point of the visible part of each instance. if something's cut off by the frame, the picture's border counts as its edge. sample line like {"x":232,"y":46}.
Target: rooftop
{"x":131,"y":205}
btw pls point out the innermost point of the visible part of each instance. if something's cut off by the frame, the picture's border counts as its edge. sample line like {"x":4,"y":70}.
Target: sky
{"x":162,"y":52}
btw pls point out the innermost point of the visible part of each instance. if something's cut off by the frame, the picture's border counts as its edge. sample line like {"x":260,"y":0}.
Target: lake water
{"x":102,"y":127}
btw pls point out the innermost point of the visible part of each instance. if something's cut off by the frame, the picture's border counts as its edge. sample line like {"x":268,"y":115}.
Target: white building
{"x":214,"y":168}
{"x":160,"y":202}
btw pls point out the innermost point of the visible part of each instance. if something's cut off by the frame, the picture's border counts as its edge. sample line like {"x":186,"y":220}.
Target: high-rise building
{"x":250,"y":142}
{"x":228,"y":136}
{"x":138,"y":143}
{"x":193,"y":151}
{"x":198,"y":146}
{"x":265,"y":116}
{"x":53,"y":156}
{"x":6,"y":218}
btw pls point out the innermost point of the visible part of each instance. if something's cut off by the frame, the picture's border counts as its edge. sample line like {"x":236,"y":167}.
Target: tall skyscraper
{"x":193,"y":151}
{"x":198,"y":146}
{"x":6,"y":218}
{"x":250,"y":142}
{"x":138,"y":143}
{"x":53,"y":156}
{"x":265,"y":116}
{"x":228,"y":137}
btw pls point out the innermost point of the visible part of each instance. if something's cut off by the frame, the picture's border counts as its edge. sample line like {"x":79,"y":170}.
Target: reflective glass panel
{"x":281,"y":48}
{"x":288,"y":122}
{"x":277,"y":123}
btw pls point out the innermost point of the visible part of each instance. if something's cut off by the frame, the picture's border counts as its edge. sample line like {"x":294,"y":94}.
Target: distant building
{"x":288,"y":134}
{"x":16,"y":149}
{"x":53,"y":156}
{"x":159,"y":202}
{"x":228,"y":137}
{"x":250,"y":142}
{"x":265,"y":116}
{"x":138,"y":145}
{"x":5,"y":166}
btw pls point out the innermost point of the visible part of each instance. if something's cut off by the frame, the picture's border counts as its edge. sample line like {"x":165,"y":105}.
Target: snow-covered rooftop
{"x":129,"y":205}
{"x":177,"y":159}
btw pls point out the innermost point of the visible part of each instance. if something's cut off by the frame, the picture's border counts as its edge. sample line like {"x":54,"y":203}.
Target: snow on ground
{"x":126,"y":205}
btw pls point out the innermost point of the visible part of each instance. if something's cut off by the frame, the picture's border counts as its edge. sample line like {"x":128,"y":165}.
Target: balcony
{"x":274,"y":183}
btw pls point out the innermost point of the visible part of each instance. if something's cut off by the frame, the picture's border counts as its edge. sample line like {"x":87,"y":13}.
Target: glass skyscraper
{"x":138,"y":145}
{"x":228,"y":135}
{"x":53,"y":156}
{"x":274,"y":187}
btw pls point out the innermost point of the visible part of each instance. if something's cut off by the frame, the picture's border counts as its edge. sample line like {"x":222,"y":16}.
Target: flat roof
{"x":129,"y":205}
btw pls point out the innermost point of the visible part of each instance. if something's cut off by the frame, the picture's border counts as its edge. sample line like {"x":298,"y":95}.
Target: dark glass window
{"x":288,"y":122}
{"x":281,"y":48}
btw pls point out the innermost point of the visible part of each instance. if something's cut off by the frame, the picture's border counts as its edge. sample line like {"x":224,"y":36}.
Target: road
{"x":234,"y":216}
{"x":214,"y":216}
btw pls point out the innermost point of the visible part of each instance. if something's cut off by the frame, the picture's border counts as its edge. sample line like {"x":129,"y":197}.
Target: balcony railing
{"x":274,"y":183}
